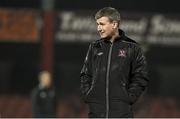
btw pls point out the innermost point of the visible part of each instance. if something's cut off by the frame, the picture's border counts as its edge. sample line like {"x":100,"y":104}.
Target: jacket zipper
{"x":107,"y":80}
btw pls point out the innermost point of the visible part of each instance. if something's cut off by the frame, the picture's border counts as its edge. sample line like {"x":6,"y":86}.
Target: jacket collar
{"x":121,"y":36}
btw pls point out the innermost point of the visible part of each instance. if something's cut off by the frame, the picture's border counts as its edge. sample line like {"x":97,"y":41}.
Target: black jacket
{"x":113,"y":72}
{"x":43,"y":102}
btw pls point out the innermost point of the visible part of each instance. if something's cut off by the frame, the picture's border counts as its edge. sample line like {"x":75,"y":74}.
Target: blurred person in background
{"x":114,"y":73}
{"x":43,"y":97}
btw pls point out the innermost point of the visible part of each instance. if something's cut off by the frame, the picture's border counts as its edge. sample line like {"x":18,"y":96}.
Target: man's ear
{"x":115,"y":24}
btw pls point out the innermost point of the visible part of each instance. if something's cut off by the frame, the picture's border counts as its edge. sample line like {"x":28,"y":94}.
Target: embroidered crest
{"x":122,"y":53}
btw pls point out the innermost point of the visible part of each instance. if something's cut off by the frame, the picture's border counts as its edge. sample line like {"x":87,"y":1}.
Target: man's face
{"x":45,"y":79}
{"x":105,"y":28}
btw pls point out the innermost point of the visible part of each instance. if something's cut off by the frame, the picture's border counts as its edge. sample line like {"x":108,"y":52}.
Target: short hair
{"x":109,"y":12}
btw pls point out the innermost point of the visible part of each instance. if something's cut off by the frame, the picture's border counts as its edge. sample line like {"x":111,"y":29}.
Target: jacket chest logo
{"x":100,"y":53}
{"x":122,"y":53}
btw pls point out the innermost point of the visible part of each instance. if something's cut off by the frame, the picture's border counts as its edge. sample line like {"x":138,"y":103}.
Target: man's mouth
{"x":101,"y":33}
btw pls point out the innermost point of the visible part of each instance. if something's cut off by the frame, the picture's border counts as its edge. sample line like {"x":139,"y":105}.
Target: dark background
{"x":163,"y":6}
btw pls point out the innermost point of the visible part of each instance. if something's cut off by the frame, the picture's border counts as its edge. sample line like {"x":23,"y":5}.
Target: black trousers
{"x":116,"y":110}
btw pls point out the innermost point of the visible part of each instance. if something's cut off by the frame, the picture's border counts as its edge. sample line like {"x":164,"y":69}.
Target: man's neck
{"x":114,"y":36}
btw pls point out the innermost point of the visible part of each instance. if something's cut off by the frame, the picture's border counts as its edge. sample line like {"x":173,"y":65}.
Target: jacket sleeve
{"x":138,"y":75}
{"x":86,"y":74}
{"x":35,"y":101}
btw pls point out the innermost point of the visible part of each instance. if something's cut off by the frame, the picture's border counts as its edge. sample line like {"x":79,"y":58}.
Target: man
{"x":43,"y":97}
{"x":114,"y":72}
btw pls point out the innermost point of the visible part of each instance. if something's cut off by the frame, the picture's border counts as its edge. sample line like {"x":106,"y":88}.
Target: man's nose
{"x":99,"y":28}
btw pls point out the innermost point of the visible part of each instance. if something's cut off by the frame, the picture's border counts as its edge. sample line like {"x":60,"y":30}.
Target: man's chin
{"x":103,"y":37}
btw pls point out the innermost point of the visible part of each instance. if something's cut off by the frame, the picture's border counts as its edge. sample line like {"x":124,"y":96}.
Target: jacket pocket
{"x":125,"y":91}
{"x":92,"y":85}
{"x":96,"y":66}
{"x":130,"y":98}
